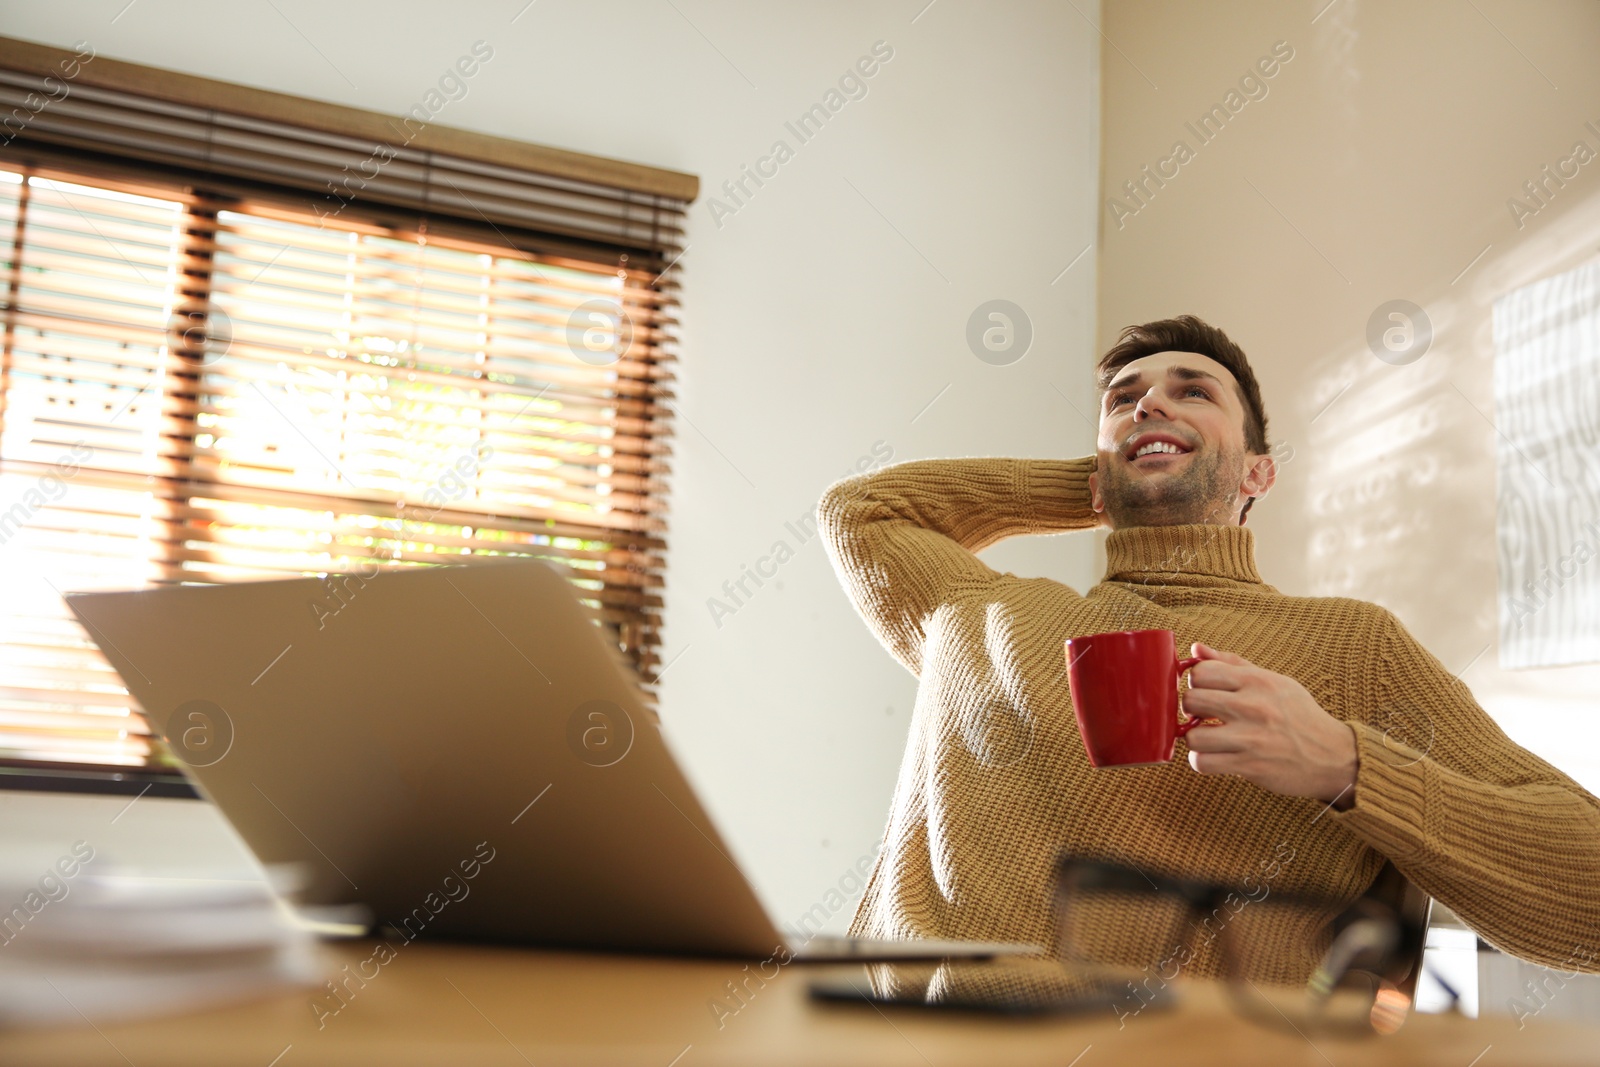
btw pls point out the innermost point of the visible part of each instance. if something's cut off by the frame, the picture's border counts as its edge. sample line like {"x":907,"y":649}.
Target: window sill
{"x":83,"y":778}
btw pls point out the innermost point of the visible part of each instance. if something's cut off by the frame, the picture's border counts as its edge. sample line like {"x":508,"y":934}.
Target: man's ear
{"x":1259,"y":476}
{"x":1095,"y":500}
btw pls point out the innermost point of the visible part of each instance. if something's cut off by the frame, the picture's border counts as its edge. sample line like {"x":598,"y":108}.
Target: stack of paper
{"x":106,"y":946}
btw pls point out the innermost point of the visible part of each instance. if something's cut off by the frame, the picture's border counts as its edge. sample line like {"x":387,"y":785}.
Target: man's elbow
{"x":843,"y":506}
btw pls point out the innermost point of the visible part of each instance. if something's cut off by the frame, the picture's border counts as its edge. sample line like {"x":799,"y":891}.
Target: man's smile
{"x":1156,"y":449}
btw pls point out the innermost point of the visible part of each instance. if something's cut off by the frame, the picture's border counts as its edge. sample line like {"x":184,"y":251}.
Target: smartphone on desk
{"x":1002,"y":986}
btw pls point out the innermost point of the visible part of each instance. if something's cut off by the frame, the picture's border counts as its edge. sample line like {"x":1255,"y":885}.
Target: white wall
{"x":1378,"y":167}
{"x":820,"y":319}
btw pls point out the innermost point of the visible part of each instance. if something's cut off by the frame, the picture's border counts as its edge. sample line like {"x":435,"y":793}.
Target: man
{"x":1341,"y":741}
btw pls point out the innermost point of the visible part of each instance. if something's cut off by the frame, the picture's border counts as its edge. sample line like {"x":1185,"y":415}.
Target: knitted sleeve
{"x":903,"y":537}
{"x":1498,"y":835}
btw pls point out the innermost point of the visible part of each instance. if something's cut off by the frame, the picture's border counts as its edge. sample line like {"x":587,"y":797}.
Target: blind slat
{"x":205,"y":142}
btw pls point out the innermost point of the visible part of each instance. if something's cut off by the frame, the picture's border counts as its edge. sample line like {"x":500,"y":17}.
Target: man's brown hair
{"x":1188,"y":334}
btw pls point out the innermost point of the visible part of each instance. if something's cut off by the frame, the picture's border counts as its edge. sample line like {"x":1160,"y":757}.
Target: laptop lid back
{"x":458,"y":748}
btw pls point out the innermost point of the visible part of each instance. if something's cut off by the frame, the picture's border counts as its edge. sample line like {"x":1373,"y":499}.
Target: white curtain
{"x":1547,"y":410}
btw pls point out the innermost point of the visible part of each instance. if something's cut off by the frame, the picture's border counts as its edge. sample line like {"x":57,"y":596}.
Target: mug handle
{"x":1189,"y":723}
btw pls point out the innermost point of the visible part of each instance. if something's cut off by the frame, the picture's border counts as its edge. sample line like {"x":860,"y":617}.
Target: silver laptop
{"x":460,"y":750}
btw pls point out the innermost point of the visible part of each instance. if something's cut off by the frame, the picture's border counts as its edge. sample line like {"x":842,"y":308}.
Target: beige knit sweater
{"x":995,"y":783}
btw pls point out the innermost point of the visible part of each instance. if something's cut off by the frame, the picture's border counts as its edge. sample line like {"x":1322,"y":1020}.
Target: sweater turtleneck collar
{"x":1190,"y":554}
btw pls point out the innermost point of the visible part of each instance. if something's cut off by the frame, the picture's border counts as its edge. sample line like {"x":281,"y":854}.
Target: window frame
{"x":68,"y":161}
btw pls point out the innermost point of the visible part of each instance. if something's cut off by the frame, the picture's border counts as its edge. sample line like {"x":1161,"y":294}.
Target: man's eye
{"x":1198,"y":389}
{"x":1118,"y":399}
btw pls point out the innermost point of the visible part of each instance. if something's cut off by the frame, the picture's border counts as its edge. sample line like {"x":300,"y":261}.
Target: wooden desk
{"x":445,"y":1004}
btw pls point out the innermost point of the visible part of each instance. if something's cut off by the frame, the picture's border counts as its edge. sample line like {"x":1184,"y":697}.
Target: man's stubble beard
{"x":1204,"y":493}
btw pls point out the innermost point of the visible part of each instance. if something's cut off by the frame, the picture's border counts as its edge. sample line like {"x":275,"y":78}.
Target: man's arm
{"x":902,"y":538}
{"x":1498,"y":835}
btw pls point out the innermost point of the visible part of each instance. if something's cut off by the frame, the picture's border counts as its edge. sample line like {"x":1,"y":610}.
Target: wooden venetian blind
{"x":212,"y":371}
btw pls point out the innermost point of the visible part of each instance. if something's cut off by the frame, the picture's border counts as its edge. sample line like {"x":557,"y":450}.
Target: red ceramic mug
{"x":1125,"y":691}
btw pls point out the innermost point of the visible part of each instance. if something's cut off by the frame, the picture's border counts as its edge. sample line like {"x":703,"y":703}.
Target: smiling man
{"x":1340,"y":744}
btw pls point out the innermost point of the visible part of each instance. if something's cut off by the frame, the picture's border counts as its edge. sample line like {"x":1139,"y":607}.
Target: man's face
{"x":1171,"y":448}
